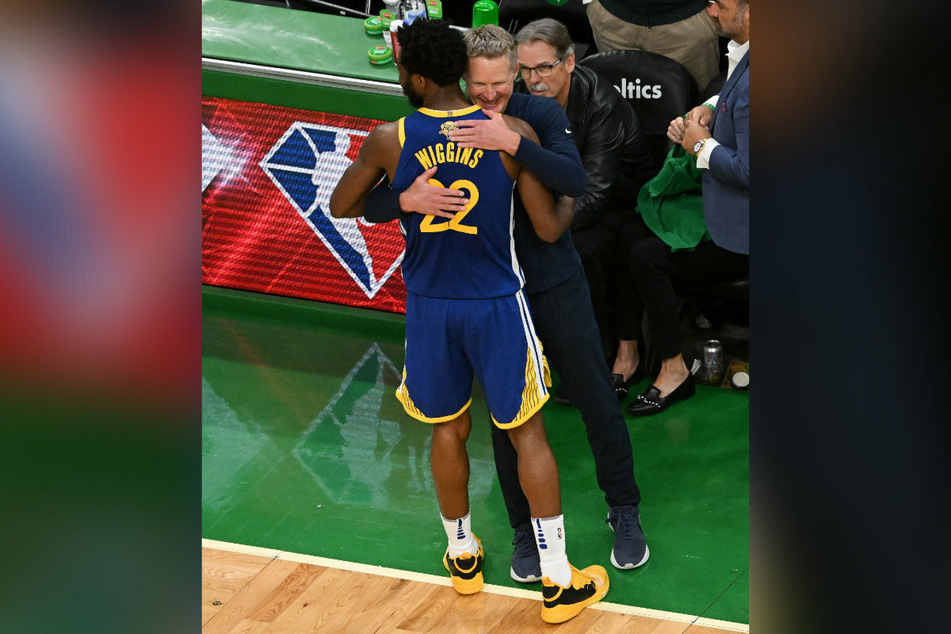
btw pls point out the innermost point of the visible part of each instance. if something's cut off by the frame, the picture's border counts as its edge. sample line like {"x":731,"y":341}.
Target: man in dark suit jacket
{"x":718,"y":134}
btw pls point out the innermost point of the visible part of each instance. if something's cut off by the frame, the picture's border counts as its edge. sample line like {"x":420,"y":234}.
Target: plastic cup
{"x":484,"y":12}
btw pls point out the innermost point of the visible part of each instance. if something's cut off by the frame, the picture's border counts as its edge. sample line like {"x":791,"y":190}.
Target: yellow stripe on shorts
{"x":402,"y":395}
{"x":532,"y":397}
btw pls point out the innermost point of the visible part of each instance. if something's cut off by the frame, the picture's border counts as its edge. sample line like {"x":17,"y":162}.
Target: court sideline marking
{"x":444,"y":581}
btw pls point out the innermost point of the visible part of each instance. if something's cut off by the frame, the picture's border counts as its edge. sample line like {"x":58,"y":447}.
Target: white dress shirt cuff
{"x":703,"y":159}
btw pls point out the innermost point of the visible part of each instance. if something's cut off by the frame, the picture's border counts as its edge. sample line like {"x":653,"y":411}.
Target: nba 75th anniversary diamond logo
{"x":306,"y":164}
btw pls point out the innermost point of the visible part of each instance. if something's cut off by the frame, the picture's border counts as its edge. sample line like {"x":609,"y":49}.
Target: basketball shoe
{"x":465,"y":570}
{"x":561,"y":603}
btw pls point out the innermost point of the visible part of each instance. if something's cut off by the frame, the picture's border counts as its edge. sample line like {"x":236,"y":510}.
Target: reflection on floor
{"x":305,"y":449}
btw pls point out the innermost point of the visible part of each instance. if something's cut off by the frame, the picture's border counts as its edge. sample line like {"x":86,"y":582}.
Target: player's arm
{"x":548,"y":219}
{"x":375,"y":159}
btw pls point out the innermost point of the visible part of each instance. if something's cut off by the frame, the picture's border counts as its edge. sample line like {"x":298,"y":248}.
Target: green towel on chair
{"x":671,"y":205}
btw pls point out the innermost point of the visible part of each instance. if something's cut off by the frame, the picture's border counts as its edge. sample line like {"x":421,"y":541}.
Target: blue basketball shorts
{"x":448,"y":341}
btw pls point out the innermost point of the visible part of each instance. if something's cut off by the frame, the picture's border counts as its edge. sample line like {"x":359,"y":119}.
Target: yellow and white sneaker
{"x":465,"y":570}
{"x":561,"y":603}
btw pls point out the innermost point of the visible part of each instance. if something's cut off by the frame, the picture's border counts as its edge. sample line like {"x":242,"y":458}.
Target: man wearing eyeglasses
{"x":616,"y":157}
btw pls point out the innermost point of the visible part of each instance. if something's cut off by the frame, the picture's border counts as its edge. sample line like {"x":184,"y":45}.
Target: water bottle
{"x":393,"y":6}
{"x":484,"y":12}
{"x":394,"y":41}
{"x":413,"y":9}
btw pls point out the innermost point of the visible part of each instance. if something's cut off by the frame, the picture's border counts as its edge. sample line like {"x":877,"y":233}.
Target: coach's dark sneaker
{"x":561,"y":603}
{"x":465,"y":570}
{"x":526,"y":567}
{"x":630,"y":546}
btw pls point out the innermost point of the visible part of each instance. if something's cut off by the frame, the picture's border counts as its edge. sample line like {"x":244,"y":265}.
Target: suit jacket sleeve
{"x":729,"y":166}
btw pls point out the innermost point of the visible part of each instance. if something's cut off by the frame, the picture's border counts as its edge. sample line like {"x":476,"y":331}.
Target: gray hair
{"x":492,"y":41}
{"x":549,"y":31}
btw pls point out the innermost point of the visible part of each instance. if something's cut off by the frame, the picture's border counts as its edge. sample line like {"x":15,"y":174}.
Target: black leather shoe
{"x":621,"y":386}
{"x":650,"y":401}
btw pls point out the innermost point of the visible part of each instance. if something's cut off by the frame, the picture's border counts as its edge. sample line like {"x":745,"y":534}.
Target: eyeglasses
{"x":543,"y":70}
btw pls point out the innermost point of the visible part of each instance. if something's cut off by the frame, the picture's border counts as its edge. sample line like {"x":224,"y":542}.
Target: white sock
{"x":460,"y":536}
{"x":550,"y":537}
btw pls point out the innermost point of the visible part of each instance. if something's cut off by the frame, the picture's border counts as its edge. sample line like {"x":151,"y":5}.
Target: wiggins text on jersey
{"x":447,"y":153}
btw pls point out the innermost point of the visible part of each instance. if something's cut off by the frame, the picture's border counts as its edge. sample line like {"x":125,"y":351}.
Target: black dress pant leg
{"x":597,"y":245}
{"x":565,"y":324}
{"x":629,"y":308}
{"x":650,"y":265}
{"x":708,"y":263}
{"x":654,"y":269}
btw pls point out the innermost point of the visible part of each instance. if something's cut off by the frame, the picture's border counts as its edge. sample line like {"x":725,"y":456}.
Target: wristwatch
{"x":698,"y":146}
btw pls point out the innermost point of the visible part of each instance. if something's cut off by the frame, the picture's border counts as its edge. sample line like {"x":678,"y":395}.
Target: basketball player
{"x":466,"y":313}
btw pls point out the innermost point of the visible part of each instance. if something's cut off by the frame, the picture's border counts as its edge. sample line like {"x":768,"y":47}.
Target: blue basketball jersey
{"x":471,"y":256}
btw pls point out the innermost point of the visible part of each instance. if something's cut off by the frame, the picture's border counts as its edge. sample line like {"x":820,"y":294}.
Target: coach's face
{"x":489,"y":82}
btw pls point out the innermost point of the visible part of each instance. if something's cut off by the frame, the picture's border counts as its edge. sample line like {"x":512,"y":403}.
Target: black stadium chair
{"x":657,"y":87}
{"x":514,"y":14}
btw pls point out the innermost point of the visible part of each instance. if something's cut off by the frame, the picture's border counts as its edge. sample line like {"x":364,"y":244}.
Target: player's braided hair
{"x":431,"y":49}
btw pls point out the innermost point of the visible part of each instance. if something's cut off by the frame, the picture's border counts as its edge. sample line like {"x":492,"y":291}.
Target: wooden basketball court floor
{"x":318,"y":512}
